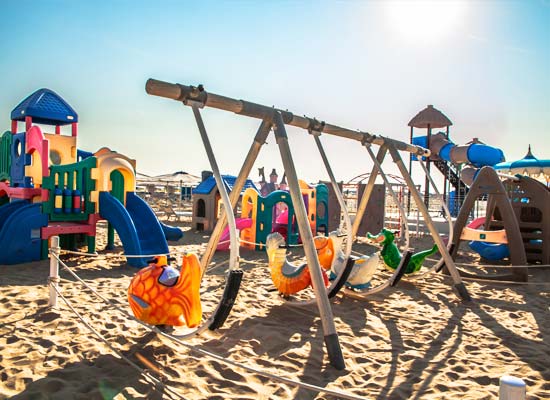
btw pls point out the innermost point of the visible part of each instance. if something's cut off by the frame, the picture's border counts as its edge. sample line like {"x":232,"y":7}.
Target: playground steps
{"x":453,"y":174}
{"x":62,"y":228}
{"x":20,"y":192}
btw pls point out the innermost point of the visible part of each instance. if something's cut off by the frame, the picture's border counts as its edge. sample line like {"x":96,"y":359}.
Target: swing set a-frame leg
{"x":331,"y":337}
{"x":449,"y":262}
{"x":252,"y":155}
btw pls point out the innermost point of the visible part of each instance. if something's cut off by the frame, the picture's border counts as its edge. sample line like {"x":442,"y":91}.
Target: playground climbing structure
{"x":49,"y":187}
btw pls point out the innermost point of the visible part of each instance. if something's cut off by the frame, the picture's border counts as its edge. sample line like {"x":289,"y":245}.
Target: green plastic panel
{"x":321,"y":190}
{"x":5,"y":156}
{"x":73,"y":176}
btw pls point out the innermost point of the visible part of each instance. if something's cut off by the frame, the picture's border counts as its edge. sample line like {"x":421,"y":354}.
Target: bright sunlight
{"x":424,"y":21}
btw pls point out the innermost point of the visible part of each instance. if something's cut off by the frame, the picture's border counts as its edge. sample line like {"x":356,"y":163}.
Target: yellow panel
{"x":109,"y":161}
{"x":62,"y":149}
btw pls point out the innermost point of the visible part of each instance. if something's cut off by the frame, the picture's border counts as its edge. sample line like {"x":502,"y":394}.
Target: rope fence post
{"x":512,"y":388}
{"x":53,"y":279}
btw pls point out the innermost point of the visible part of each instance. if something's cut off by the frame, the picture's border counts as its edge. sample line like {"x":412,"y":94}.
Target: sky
{"x":367,"y":65}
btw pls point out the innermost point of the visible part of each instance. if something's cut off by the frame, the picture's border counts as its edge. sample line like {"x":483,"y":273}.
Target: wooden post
{"x":331,"y":337}
{"x":54,"y":271}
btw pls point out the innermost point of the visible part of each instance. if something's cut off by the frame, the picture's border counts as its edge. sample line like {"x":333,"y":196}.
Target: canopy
{"x":528,"y":165}
{"x":178,"y":178}
{"x":45,"y":107}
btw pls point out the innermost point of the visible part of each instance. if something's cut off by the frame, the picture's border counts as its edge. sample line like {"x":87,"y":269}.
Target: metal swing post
{"x":234,"y":245}
{"x":259,"y":141}
{"x":449,"y":262}
{"x":404,"y":227}
{"x":337,"y":191}
{"x":362,"y":207}
{"x":330,"y":336}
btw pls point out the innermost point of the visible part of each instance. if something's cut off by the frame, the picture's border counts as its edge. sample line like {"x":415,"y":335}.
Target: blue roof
{"x":45,"y":107}
{"x":206,"y":186}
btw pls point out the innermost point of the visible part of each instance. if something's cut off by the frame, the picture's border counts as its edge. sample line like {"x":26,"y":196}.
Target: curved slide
{"x":20,"y":224}
{"x":476,"y":154}
{"x":171,"y":233}
{"x":489,"y":251}
{"x":136,"y":224}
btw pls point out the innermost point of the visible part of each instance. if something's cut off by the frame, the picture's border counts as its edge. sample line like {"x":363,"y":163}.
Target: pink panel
{"x":36,"y":142}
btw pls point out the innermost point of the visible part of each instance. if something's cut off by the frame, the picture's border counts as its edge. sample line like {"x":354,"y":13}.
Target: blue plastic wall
{"x":20,"y":239}
{"x":18,"y":161}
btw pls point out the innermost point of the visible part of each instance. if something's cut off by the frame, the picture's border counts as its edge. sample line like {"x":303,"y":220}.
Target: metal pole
{"x":54,"y":271}
{"x":331,"y":337}
{"x":428,"y":162}
{"x":361,"y":208}
{"x":449,"y":262}
{"x":234,"y":243}
{"x":404,"y":223}
{"x":339,"y":196}
{"x":410,"y":172}
{"x":259,"y":140}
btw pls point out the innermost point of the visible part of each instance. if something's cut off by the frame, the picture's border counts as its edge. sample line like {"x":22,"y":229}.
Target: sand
{"x":416,"y":341}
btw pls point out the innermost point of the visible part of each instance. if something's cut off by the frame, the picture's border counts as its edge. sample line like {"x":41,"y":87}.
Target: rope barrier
{"x":80,"y":253}
{"x":507,"y":282}
{"x":498,"y":266}
{"x":141,"y":371}
{"x":190,"y":347}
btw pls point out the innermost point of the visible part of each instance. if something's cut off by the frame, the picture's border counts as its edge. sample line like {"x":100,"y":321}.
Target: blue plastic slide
{"x":490,"y":251}
{"x":171,"y":233}
{"x":20,"y":224}
{"x":479,"y":155}
{"x":136,"y":225}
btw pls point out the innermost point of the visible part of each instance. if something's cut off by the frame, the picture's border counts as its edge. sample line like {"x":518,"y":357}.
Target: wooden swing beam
{"x":276,"y":119}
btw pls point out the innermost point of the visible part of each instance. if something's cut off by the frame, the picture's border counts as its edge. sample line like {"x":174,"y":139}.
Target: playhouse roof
{"x":430,"y":116}
{"x":209,"y":183}
{"x":45,"y":107}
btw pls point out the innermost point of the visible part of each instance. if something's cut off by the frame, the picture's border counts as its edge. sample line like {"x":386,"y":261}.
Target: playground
{"x":332,"y":296}
{"x":309,"y":200}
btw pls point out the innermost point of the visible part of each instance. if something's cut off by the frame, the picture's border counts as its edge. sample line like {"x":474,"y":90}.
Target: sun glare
{"x":424,"y":21}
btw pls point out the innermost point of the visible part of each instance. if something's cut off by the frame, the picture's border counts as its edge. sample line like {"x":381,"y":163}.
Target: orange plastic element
{"x":289,"y":278}
{"x":472,"y":232}
{"x":325,"y":251}
{"x":249,"y":209}
{"x":309,"y":193}
{"x":162,"y":295}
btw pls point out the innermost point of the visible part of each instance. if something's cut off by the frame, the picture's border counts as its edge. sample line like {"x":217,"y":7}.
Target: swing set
{"x":273,"y":119}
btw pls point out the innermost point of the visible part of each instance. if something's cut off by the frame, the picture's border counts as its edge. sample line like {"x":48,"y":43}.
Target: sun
{"x":424,"y":21}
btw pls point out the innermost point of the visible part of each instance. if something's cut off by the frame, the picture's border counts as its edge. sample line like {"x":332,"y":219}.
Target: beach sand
{"x":416,"y":341}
